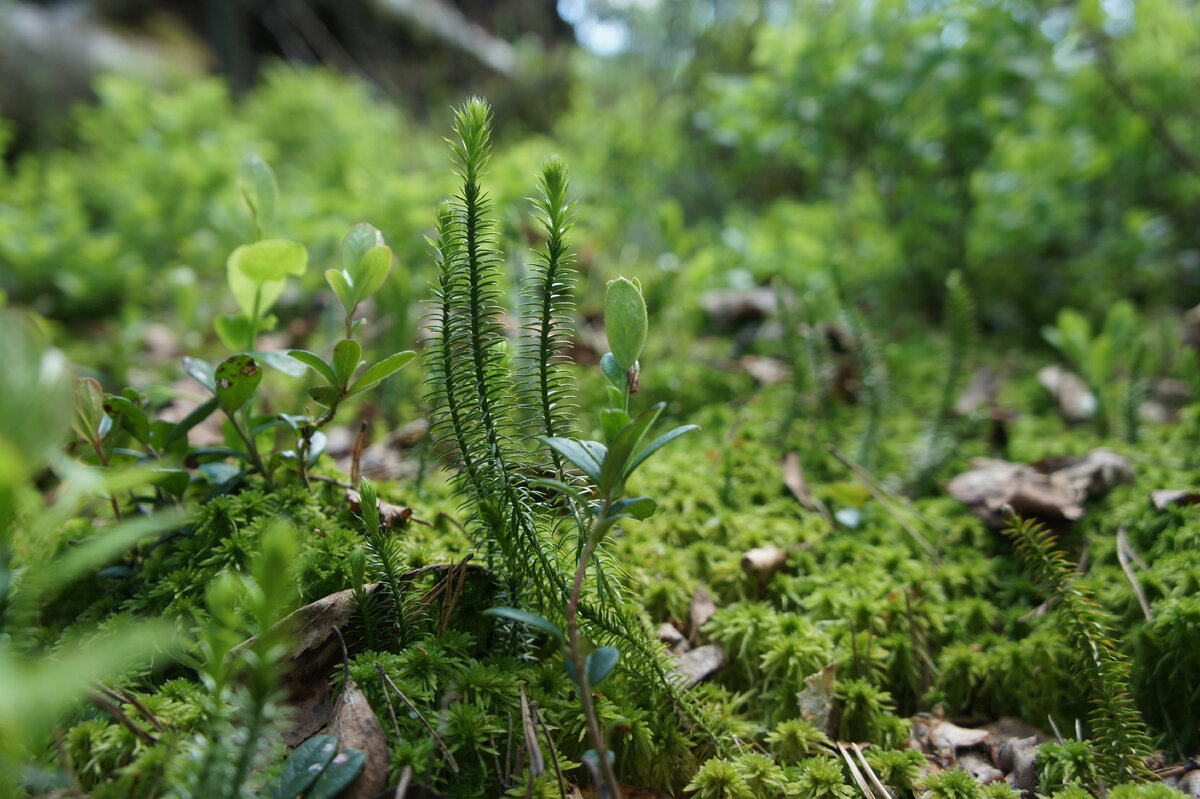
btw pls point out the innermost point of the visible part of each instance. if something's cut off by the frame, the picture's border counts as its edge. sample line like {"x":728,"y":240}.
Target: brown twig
{"x":562,"y":783}
{"x":101,"y":701}
{"x":1124,"y":551}
{"x":421,"y":718}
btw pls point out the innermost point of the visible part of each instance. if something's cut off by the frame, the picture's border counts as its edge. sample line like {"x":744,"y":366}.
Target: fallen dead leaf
{"x":946,"y":738}
{"x":767,"y":371}
{"x":676,"y":642}
{"x":1165,"y":497}
{"x":817,"y":701}
{"x":702,"y":608}
{"x":390,"y":515}
{"x":355,"y":725}
{"x":697,"y":665}
{"x":763,"y":562}
{"x":733,"y":307}
{"x":1051,"y":489}
{"x":980,"y":392}
{"x":1075,"y":400}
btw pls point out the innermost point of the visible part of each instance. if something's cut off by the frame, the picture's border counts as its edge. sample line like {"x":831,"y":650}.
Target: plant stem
{"x":576,"y":655}
{"x":251,"y":447}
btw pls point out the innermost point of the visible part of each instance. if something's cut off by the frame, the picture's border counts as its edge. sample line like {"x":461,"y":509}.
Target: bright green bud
{"x":625,"y":320}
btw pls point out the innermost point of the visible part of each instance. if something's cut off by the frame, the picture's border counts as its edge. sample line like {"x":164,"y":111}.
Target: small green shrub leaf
{"x":381,"y":371}
{"x":625,"y":320}
{"x":316,"y":363}
{"x":342,"y":771}
{"x":198,"y":415}
{"x":585,"y":458}
{"x":612,"y":422}
{"x":527,"y":619}
{"x":237,"y":378}
{"x":358,"y":241}
{"x":174,"y":481}
{"x":347,"y":354}
{"x":280,"y":361}
{"x":131,"y":414}
{"x":372,"y":271}
{"x":337,"y":281}
{"x":324,"y":395}
{"x":600,"y":663}
{"x":256,"y":182}
{"x":305,"y":765}
{"x":257,"y":272}
{"x":89,"y":409}
{"x":640,"y":508}
{"x":614,"y":472}
{"x":657,"y":444}
{"x":614,"y":372}
{"x":232,"y":329}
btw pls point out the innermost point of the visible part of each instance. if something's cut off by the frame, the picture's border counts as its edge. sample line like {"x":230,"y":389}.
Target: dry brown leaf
{"x":793,"y":478}
{"x":355,"y":725}
{"x":980,"y":392}
{"x":676,"y":642}
{"x":702,"y":608}
{"x":817,"y":701}
{"x":1051,"y":489}
{"x":1076,"y":402}
{"x":947,"y":738}
{"x":697,"y":665}
{"x":1165,"y":497}
{"x":763,"y":562}
{"x":390,"y":515}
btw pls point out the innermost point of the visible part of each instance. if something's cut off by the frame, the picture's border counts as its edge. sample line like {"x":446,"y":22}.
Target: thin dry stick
{"x":402,"y":786}
{"x":1124,"y":550}
{"x":854,"y":772}
{"x":562,"y":784}
{"x":882,"y":496}
{"x":101,"y":701}
{"x":360,"y":442}
{"x":537,"y":763}
{"x":878,"y":783}
{"x":145,"y":711}
{"x":437,"y":738}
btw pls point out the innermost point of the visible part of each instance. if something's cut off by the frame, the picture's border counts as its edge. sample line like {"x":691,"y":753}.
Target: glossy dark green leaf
{"x":614,"y":372}
{"x":281,"y":361}
{"x":657,"y":444}
{"x":586,"y":459}
{"x":640,"y":508}
{"x":237,"y":378}
{"x":89,"y":409}
{"x":198,"y":415}
{"x":201,"y":371}
{"x":600,"y":664}
{"x":317,"y":364}
{"x":527,"y":619}
{"x":612,"y":422}
{"x":324,"y":395}
{"x":613,"y":473}
{"x":382,"y":370}
{"x":304,"y":765}
{"x":174,"y":481}
{"x":341,"y":771}
{"x":130,"y":414}
{"x":347,"y":354}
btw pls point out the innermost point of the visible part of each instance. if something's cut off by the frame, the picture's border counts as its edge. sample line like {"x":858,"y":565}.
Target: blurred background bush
{"x":1047,"y":150}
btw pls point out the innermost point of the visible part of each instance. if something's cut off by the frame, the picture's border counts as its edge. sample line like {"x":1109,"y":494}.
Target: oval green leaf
{"x":316,"y":363}
{"x":600,"y":663}
{"x":358,"y":241}
{"x":625,"y":321}
{"x":237,"y":378}
{"x":259,"y":270}
{"x":347,"y":354}
{"x":340,"y":284}
{"x":305,"y":765}
{"x":371,"y":272}
{"x":381,"y":371}
{"x":527,"y":619}
{"x":340,"y":772}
